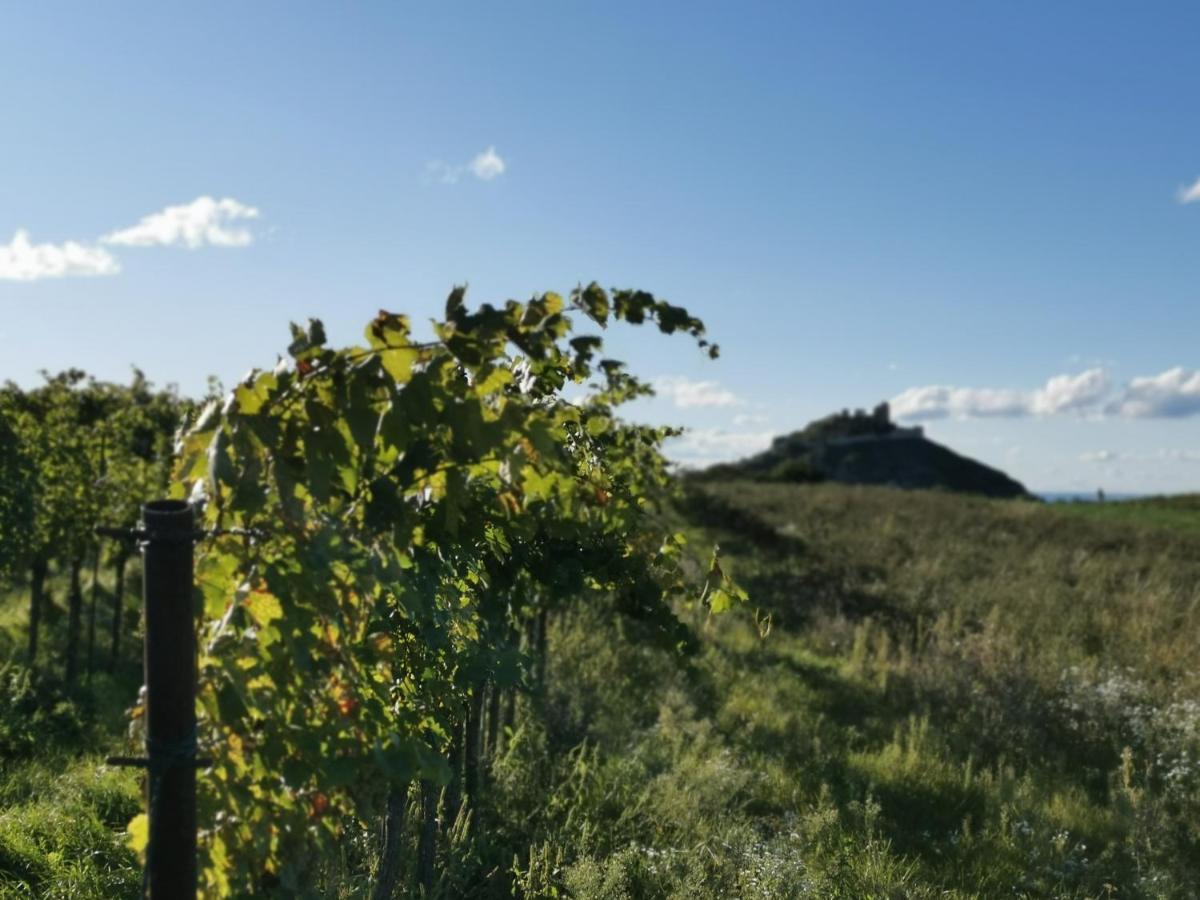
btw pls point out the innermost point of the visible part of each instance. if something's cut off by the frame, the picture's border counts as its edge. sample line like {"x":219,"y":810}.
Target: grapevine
{"x":420,"y":505}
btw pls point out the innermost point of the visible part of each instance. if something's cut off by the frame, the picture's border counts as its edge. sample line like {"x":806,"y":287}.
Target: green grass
{"x":954,"y":698}
{"x":62,"y":825}
{"x":1015,"y":688}
{"x":63,"y":813}
{"x":1180,"y":512}
{"x":957,"y":698}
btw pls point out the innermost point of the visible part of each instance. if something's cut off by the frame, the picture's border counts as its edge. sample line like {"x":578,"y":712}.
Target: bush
{"x":35,"y":713}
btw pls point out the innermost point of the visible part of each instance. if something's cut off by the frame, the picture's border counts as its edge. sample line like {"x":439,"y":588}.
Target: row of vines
{"x":399,"y":524}
{"x":75,"y":451}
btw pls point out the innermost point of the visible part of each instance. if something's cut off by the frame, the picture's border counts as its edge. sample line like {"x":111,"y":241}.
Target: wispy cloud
{"x":705,"y":446}
{"x":442,"y":172}
{"x":1190,"y":193}
{"x":1152,"y":456}
{"x":1061,"y":394}
{"x":1172,"y":394}
{"x":23,"y":260}
{"x":203,"y":222}
{"x":751,"y":419}
{"x":1184,"y":456}
{"x":686,"y":394}
{"x":485,"y":166}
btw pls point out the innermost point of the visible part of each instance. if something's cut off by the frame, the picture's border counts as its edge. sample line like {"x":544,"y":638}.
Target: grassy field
{"x":1014,"y":686}
{"x":956,"y":698}
{"x":1182,"y":512}
{"x":62,"y":812}
{"x":928,"y":696}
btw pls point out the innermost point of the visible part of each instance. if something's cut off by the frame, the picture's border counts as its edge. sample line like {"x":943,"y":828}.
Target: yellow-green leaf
{"x":138,"y":832}
{"x":263,"y":608}
{"x":399,"y":361}
{"x":597,"y":425}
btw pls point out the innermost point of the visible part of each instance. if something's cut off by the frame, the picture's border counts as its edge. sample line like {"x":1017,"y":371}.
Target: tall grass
{"x":954,"y":698}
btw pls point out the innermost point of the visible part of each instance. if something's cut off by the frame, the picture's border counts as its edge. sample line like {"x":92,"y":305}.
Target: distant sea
{"x":1082,"y":496}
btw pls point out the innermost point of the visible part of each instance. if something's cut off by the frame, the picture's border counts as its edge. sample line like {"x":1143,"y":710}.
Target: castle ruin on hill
{"x":867,"y":448}
{"x":859,"y":425}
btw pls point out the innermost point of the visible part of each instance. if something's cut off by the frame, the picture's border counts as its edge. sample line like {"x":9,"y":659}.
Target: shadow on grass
{"x":786,"y":576}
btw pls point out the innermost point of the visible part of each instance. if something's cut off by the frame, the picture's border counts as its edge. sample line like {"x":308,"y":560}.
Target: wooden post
{"x":91,"y":636}
{"x":118,"y":615}
{"x":492,"y":745}
{"x":471,"y":754}
{"x":37,"y":599}
{"x":387,"y":876}
{"x":74,"y":621}
{"x":427,"y":845}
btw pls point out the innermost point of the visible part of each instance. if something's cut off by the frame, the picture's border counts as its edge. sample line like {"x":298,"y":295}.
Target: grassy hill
{"x":954,"y":697}
{"x":928,"y":695}
{"x":1014,"y":685}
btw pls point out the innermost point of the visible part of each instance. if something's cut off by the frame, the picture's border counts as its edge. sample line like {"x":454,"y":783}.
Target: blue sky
{"x":935,"y":203}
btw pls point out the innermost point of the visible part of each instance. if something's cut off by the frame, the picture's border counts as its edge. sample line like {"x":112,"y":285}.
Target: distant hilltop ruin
{"x":858,"y":425}
{"x":868,"y":448}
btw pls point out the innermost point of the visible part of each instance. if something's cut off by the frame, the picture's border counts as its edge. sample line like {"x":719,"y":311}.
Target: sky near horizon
{"x":988,"y":216}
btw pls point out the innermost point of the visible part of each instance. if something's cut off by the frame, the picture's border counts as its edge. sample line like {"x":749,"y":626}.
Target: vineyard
{"x":395,"y":529}
{"x":459,"y":636}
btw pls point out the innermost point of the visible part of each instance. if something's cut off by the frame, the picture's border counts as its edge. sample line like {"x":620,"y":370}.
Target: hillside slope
{"x":1005,"y":695}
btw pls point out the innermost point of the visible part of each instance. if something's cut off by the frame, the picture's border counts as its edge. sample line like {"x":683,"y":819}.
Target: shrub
{"x":35,"y":713}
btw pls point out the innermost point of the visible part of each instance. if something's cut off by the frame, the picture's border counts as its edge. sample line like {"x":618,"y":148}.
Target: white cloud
{"x":203,"y":222}
{"x":485,"y":166}
{"x":1173,"y":394}
{"x":1191,"y":193}
{"x":685,"y":393}
{"x":1151,"y":456}
{"x":1170,"y":395}
{"x":442,"y":172}
{"x":1187,"y":456}
{"x":1070,"y":393}
{"x":751,"y":419}
{"x":1061,"y":394}
{"x":23,"y":260}
{"x":705,"y":446}
{"x":940,"y":401}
